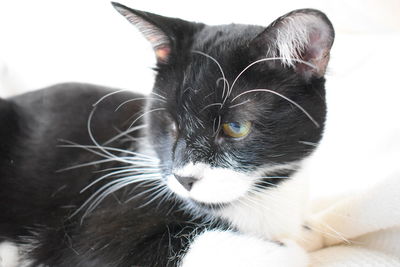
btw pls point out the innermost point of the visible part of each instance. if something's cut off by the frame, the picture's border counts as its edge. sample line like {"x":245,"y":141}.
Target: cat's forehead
{"x":230,"y":34}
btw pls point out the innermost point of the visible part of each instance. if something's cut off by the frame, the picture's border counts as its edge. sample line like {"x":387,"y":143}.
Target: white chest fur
{"x":275,"y":214}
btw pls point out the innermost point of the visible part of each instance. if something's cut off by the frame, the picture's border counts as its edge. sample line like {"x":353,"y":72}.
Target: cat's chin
{"x":209,"y":206}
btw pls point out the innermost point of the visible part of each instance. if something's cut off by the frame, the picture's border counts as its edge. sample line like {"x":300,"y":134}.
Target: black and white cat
{"x":203,"y":172}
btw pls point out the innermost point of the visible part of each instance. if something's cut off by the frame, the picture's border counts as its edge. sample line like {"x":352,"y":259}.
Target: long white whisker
{"x":160,"y":96}
{"x":226,"y":83}
{"x":136,"y":99}
{"x":282,"y":96}
{"x":211,"y":105}
{"x":143,"y":114}
{"x":136,"y":154}
{"x":129,"y":171}
{"x":107,"y":95}
{"x":125,"y":133}
{"x":269,"y":59}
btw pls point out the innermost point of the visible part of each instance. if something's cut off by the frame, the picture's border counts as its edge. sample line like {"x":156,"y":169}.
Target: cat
{"x":202,"y":172}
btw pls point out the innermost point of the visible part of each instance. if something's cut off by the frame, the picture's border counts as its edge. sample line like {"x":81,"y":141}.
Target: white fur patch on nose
{"x":8,"y":255}
{"x":213,"y":185}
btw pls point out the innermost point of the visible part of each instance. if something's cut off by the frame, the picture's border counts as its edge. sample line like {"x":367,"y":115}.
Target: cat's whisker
{"x":155,"y":195}
{"x":265,"y":185}
{"x":239,"y":104}
{"x":308,"y":143}
{"x":269,"y":59}
{"x":273,"y":177}
{"x":113,"y":169}
{"x":137,"y":172}
{"x":282,"y":96}
{"x":137,"y":99}
{"x":160,"y":96}
{"x":126,"y":160}
{"x":135,"y":154}
{"x":125,"y":133}
{"x":210,"y":105}
{"x":218,"y":126}
{"x":110,"y":188}
{"x":144,"y":114}
{"x":85,"y":164}
{"x":89,"y":129}
{"x":108,"y":95}
{"x":226,"y":83}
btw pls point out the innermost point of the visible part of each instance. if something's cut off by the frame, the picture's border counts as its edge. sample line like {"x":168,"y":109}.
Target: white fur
{"x":274,"y":214}
{"x":219,"y":248}
{"x":8,"y":255}
{"x":293,"y":36}
{"x":214,"y":185}
{"x":218,"y":185}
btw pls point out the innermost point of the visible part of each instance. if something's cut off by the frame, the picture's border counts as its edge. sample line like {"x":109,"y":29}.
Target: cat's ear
{"x":166,"y":35}
{"x":301,"y":39}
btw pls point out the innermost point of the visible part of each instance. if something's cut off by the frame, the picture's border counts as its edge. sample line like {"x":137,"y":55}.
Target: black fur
{"x":38,"y":202}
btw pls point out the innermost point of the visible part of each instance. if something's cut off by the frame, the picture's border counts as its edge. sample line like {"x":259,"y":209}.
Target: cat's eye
{"x":236,"y":129}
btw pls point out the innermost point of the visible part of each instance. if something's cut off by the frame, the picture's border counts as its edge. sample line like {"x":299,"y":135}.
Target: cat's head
{"x":236,"y":107}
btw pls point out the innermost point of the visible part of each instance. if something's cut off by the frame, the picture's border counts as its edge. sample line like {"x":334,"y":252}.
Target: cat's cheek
{"x":224,"y":248}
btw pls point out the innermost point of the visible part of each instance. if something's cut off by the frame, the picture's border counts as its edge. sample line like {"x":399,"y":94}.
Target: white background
{"x":47,"y":42}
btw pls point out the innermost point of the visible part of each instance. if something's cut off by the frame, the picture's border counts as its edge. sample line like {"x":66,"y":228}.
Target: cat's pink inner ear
{"x":316,"y":52}
{"x":301,"y":39}
{"x":156,"y":36}
{"x":162,"y":53}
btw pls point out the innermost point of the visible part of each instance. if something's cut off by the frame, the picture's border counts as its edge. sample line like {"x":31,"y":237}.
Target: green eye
{"x":236,"y":129}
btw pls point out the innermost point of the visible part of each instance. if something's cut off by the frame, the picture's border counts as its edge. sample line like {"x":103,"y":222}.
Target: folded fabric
{"x":361,"y":229}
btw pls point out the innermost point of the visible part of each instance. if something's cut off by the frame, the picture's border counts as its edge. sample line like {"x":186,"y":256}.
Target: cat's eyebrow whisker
{"x":269,"y":59}
{"x":226,"y":83}
{"x":218,"y":125}
{"x":210,"y":105}
{"x":137,"y":99}
{"x":242,"y":103}
{"x":282,"y":96}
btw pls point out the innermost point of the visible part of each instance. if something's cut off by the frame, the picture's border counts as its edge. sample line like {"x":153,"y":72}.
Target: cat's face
{"x":236,"y":108}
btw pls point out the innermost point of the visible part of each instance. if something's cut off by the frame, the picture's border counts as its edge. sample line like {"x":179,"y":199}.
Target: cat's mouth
{"x":215,"y":188}
{"x":209,"y":187}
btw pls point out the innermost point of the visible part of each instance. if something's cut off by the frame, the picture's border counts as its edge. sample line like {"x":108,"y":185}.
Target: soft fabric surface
{"x":361,"y":229}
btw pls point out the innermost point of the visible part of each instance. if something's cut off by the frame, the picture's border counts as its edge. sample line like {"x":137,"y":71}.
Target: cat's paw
{"x":224,"y":248}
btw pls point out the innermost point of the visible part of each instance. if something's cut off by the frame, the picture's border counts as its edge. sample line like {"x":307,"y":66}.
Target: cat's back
{"x":35,"y":129}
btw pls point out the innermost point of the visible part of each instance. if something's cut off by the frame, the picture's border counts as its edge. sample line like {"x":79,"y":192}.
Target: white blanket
{"x":361,"y":229}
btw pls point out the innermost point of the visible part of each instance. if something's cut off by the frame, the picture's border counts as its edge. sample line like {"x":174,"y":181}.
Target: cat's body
{"x":205,"y":165}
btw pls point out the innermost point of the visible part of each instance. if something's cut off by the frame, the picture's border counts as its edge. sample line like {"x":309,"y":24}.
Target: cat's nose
{"x":186,"y":182}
